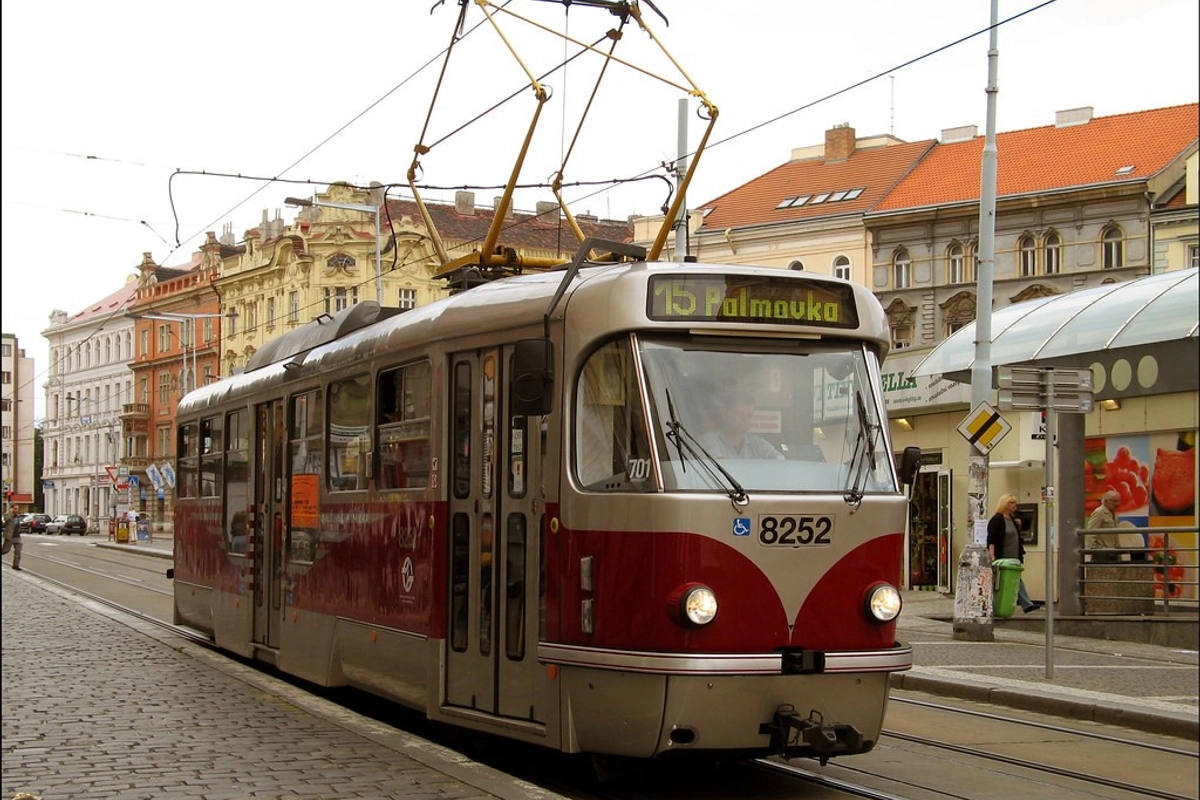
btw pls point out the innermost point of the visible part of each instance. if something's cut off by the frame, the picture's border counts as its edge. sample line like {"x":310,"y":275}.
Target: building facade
{"x":87,"y":386}
{"x":1086,"y":201}
{"x":16,"y":426}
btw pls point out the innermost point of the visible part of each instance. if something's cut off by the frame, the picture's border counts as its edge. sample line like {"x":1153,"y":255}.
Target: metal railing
{"x":1172,"y":573}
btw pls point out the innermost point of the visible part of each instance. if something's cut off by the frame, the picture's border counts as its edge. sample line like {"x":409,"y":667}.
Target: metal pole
{"x":378,"y":263}
{"x":973,"y":601}
{"x":1051,"y":433}
{"x":681,"y":221}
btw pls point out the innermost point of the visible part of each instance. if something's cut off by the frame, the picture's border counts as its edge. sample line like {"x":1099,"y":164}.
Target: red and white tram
{"x":512,"y":510}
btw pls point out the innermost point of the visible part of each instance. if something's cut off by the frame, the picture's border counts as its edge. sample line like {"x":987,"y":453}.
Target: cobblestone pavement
{"x":97,"y":707}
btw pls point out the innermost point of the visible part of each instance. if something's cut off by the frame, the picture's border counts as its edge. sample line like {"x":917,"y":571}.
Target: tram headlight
{"x":693,"y":604}
{"x":883,"y":602}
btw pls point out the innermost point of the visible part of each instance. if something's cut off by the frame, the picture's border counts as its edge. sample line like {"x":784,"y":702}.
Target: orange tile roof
{"x":1046,"y":158}
{"x":875,"y":170}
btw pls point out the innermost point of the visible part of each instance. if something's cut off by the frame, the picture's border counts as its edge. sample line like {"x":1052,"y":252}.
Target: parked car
{"x":67,"y":524}
{"x":33,"y":523}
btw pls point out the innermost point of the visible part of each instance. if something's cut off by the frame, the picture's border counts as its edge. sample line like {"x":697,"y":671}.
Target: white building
{"x":88,"y":383}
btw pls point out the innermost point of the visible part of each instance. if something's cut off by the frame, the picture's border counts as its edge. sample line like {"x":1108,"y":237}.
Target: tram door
{"x":267,"y":533}
{"x":494,"y":523}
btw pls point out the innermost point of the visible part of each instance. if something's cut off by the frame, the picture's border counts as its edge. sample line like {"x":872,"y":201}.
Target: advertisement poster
{"x":1155,"y":475}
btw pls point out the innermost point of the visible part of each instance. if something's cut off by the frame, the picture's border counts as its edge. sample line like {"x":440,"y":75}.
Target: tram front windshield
{"x":704,"y":414}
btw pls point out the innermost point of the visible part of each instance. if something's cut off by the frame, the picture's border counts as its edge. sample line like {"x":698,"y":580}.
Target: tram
{"x":511,"y":509}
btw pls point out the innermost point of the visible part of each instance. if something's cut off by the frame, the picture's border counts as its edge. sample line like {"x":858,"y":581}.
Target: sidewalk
{"x":100,"y":706}
{"x":1141,"y":686}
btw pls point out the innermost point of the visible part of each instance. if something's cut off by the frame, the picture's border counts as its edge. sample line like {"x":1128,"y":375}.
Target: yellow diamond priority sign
{"x":984,"y":428}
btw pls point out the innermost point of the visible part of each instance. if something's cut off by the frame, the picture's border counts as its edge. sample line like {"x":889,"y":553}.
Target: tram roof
{"x":361,"y":330}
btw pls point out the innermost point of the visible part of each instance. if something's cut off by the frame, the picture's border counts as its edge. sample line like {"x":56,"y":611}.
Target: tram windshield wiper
{"x":862,"y":461}
{"x":689,"y":448}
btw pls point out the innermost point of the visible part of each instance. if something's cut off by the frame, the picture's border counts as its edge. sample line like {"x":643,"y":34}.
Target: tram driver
{"x":730,"y":437}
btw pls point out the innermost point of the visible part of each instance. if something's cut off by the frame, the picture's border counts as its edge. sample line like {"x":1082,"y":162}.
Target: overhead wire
{"x":645,"y":174}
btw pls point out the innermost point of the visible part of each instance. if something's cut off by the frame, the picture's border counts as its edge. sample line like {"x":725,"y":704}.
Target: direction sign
{"x":1030,"y":388}
{"x":984,"y":428}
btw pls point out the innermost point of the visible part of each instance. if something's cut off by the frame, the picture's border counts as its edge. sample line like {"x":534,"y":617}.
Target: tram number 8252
{"x":795,"y":531}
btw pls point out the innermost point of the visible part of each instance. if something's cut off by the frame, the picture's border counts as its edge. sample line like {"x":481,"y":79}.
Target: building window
{"x":339,"y":299}
{"x":1113,"y":244}
{"x":164,"y":388}
{"x":796,"y":266}
{"x":340,"y":261}
{"x":251,"y":316}
{"x":407,"y":299}
{"x":901,"y":270}
{"x":270,"y":312}
{"x":1193,"y":256}
{"x":901,"y":336}
{"x":1028,"y":257}
{"x":233,"y":318}
{"x":293,"y":306}
{"x":1053,"y":254}
{"x":841,"y":268}
{"x":956,"y":267}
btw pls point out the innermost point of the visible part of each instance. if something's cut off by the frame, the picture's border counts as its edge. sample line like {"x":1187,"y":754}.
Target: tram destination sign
{"x":751,"y":299}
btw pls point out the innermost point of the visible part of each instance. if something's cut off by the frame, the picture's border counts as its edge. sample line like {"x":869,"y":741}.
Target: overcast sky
{"x":102,"y":102}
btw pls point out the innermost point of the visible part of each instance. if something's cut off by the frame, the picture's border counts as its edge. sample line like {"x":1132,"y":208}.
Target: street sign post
{"x":1051,"y":390}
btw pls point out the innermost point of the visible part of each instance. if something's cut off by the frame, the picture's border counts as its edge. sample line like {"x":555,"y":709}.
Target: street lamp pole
{"x":373,"y":211}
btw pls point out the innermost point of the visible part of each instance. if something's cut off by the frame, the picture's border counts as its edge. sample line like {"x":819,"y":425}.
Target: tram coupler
{"x":789,"y":731}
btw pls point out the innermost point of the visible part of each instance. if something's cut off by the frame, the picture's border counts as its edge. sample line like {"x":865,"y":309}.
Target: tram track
{"x":884,"y":774}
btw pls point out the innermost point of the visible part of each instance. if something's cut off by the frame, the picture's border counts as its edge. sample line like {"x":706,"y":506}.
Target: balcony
{"x":135,"y":411}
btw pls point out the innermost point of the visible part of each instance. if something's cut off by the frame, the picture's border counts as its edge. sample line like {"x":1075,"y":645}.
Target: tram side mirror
{"x":533,"y":377}
{"x":910,"y":464}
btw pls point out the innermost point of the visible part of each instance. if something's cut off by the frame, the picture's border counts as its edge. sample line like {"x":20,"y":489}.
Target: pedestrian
{"x":1004,"y":541}
{"x":12,"y":538}
{"x":1104,"y":516}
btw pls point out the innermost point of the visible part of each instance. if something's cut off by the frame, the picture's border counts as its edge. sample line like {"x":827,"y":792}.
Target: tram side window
{"x":187,"y":479}
{"x":462,"y":430}
{"x":306,"y":433}
{"x":211,"y":440}
{"x":404,"y":448}
{"x":612,"y":448}
{"x":349,"y":433}
{"x":237,"y":481}
{"x":307,"y":428}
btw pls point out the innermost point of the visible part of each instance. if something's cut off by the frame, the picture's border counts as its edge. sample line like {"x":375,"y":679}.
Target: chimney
{"x":1073,"y":116}
{"x":962,"y":133}
{"x":547,"y":211}
{"x":508,"y":212}
{"x":839,"y":142}
{"x":464,"y":203}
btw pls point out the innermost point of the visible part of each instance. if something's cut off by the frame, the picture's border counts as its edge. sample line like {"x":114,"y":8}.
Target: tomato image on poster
{"x":1155,"y":474}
